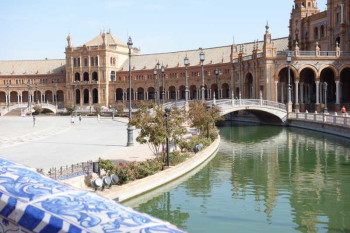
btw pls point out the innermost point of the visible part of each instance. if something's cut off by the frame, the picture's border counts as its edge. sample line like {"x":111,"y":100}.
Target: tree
{"x":203,"y":117}
{"x":152,"y":125}
{"x":119,"y":107}
{"x":38,"y":109}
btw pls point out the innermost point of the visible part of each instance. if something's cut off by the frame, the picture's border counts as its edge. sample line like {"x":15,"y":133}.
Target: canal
{"x":263,"y":179}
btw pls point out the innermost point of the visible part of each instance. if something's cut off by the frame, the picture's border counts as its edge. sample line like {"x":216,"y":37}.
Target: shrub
{"x":195,"y":140}
{"x":177,"y":157}
{"x":38,"y":109}
{"x":70,"y":109}
{"x":136,"y":170}
{"x":106,"y":165}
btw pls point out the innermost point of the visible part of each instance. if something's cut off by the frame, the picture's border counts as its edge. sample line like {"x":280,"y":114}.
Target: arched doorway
{"x":151,"y":93}
{"x":214,"y":89}
{"x":307,"y":89}
{"x":37,"y":96}
{"x":86,"y":96}
{"x":60,"y":96}
{"x":327,"y":76}
{"x":140,"y":93}
{"x":345,"y":85}
{"x":13,"y":97}
{"x":128,"y":94}
{"x":2,"y":98}
{"x":25,"y":96}
{"x":77,"y":96}
{"x":225,"y":91}
{"x":248,"y":86}
{"x":77,"y":77}
{"x":172,"y":93}
{"x":95,"y":96}
{"x":182,"y":90}
{"x":119,"y":94}
{"x":48,"y":96}
{"x":86,"y":76}
{"x":193,"y":92}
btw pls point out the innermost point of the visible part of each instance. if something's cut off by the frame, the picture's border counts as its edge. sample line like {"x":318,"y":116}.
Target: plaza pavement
{"x":55,"y":142}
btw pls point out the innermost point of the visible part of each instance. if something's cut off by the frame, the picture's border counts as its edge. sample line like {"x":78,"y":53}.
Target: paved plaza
{"x":55,"y":142}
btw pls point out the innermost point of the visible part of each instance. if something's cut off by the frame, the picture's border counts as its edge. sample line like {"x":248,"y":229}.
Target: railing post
{"x":335,"y":119}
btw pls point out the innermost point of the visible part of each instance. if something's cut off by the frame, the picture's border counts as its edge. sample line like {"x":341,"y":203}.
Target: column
{"x":337,"y":92}
{"x":276,"y":91}
{"x":6,"y":99}
{"x":301,"y":93}
{"x":18,"y":98}
{"x":146,"y":95}
{"x":317,"y":92}
{"x":296,"y":92}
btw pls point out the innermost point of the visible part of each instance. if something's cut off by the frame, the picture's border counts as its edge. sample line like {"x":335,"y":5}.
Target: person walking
{"x":34,"y":120}
{"x":72,"y":120}
{"x":80,"y":118}
{"x":343,"y":111}
{"x":98,"y":118}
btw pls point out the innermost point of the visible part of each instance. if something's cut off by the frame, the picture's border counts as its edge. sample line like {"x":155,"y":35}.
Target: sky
{"x":37,"y":29}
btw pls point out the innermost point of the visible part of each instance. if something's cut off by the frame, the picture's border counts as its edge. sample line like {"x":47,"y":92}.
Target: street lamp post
{"x":155,"y":72}
{"x":130,"y":128}
{"x":166,"y":115}
{"x":162,"y":69}
{"x":29,"y":97}
{"x":202,"y":59}
{"x":8,"y":95}
{"x":325,"y":86}
{"x":217,"y":73}
{"x":186,"y":63}
{"x":290,"y":104}
{"x":55,"y":95}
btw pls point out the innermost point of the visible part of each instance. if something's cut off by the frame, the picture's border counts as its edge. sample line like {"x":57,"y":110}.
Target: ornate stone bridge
{"x":265,"y":110}
{"x":27,"y":108}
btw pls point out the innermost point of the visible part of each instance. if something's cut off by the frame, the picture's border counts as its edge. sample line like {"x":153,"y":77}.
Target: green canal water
{"x":264,"y":179}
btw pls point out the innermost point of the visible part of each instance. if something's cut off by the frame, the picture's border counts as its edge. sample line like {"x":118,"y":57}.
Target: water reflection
{"x":268,"y":179}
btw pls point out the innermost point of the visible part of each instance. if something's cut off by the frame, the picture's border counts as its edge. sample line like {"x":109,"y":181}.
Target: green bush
{"x":177,"y":157}
{"x":195,"y":140}
{"x":136,"y":170}
{"x":106,"y":165}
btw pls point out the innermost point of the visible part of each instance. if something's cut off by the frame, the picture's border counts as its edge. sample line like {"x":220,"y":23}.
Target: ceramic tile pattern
{"x":31,"y":202}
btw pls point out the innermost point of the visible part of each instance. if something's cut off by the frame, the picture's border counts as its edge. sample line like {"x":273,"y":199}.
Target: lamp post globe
{"x":130,"y":128}
{"x":202,"y":59}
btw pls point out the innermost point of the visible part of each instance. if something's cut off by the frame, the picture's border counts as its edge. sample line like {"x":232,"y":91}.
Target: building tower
{"x":338,"y":16}
{"x":298,"y":28}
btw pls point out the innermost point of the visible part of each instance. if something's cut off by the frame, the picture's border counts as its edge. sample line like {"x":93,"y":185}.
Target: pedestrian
{"x":34,"y":121}
{"x":72,"y":120}
{"x":80,"y":119}
{"x":98,"y":117}
{"x":343,"y":110}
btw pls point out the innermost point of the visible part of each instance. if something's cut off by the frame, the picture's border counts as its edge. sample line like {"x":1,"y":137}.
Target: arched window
{"x":77,"y":77}
{"x":75,"y":62}
{"x":86,"y":62}
{"x":92,"y":61}
{"x":96,"y":61}
{"x":322,"y":32}
{"x":95,"y":76}
{"x":316,"y":33}
{"x":112,"y":76}
{"x":86,"y":76}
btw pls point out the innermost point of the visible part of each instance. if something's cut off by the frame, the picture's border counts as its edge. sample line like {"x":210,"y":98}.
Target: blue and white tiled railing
{"x":31,"y":202}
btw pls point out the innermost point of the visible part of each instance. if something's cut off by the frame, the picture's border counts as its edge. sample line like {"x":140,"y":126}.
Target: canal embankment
{"x":142,"y":186}
{"x":325,"y":123}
